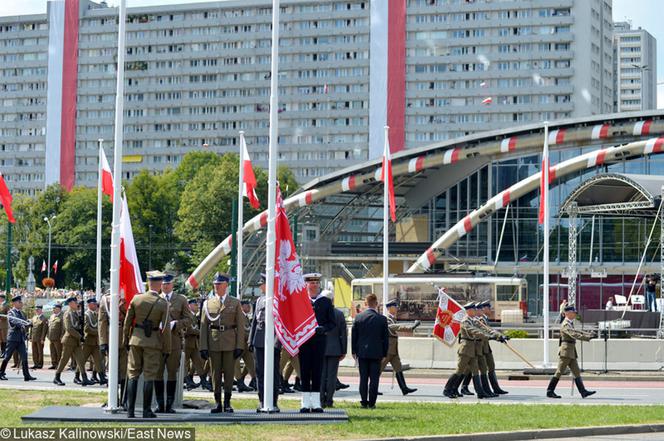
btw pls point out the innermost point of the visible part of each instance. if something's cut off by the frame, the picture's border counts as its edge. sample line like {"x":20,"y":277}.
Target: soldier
{"x":147,"y":337}
{"x":55,"y":333}
{"x":191,"y":351}
{"x":257,"y":343}
{"x":179,"y":320}
{"x":287,"y":365}
{"x":247,"y":356}
{"x":104,"y":334}
{"x":37,"y":336}
{"x":470,"y":340}
{"x":71,"y":342}
{"x":16,"y":339}
{"x":4,"y":325}
{"x":567,"y":354}
{"x":393,"y":352}
{"x":312,"y":351}
{"x":336,"y":346}
{"x":91,"y":341}
{"x":488,"y":353}
{"x":222,"y":339}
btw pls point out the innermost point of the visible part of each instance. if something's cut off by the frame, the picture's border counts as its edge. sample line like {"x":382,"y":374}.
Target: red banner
{"x":448,"y":318}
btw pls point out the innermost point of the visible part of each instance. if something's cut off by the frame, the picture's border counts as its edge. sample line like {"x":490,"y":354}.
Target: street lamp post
{"x":641,"y":68}
{"x":48,"y":268}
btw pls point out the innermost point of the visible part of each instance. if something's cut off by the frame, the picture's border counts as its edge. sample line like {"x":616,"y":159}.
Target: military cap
{"x":221,"y":278}
{"x":393,"y":302}
{"x":155,"y":275}
{"x":168,"y":278}
{"x":17,"y":299}
{"x":245,"y":302}
{"x":91,"y":300}
{"x":485,"y":304}
{"x":470,"y":305}
{"x":190,"y":301}
{"x":71,"y":299}
{"x":38,"y":307}
{"x":263,"y":278}
{"x":312,"y":277}
{"x":58,"y":305}
{"x":570,"y":308}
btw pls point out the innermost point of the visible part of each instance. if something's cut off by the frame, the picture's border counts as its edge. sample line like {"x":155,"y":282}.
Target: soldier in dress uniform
{"x":71,"y":342}
{"x":222,"y":339}
{"x":567,"y":354}
{"x":55,"y":332}
{"x":179,"y":320}
{"x":488,"y":353}
{"x":470,"y":341}
{"x":312,"y":352}
{"x":104,"y":338}
{"x":37,"y":336}
{"x":91,"y":341}
{"x":257,"y":342}
{"x":18,"y":325}
{"x":4,"y":325}
{"x":336,"y":346}
{"x":393,"y":350}
{"x":147,"y":337}
{"x":191,"y":351}
{"x":247,"y":357}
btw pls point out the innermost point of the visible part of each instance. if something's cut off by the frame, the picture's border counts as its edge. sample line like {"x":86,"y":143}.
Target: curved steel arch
{"x":501,"y":200}
{"x":614,"y":128}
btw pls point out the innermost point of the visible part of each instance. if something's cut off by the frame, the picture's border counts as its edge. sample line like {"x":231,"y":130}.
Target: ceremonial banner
{"x":131,"y":282}
{"x":448,"y":318}
{"x":294,"y":319}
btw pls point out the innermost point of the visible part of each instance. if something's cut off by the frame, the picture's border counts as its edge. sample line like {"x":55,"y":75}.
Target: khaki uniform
{"x":191,"y":351}
{"x":288,"y":364}
{"x":91,"y":342}
{"x":567,"y":351}
{"x":222,"y":331}
{"x":56,"y":331}
{"x":38,"y":334}
{"x":180,"y":314}
{"x":4,"y":324}
{"x":146,"y":353}
{"x":393,"y":348}
{"x":71,"y":342}
{"x":104,"y":333}
{"x":486,"y":347}
{"x":470,"y":344}
{"x":247,"y":357}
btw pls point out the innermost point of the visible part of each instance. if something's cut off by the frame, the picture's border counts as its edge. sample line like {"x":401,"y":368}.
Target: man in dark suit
{"x":370,"y":342}
{"x":336,"y":345}
{"x":18,"y":328}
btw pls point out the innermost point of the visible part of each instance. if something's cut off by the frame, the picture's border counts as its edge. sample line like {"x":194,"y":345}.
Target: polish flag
{"x":487,"y":101}
{"x":43,"y":268}
{"x":389,"y":181}
{"x":55,"y":267}
{"x":130,"y":273}
{"x":6,"y":199}
{"x":249,"y":179}
{"x":106,"y":175}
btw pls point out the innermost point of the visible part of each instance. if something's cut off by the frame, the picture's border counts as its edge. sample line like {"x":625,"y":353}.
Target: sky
{"x":643,"y":13}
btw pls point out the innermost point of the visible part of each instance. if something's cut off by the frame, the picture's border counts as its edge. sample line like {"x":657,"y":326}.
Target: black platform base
{"x":540,"y":371}
{"x":73,"y":414}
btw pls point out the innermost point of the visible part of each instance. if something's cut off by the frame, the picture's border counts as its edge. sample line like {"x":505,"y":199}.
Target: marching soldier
{"x":247,"y":356}
{"x":18,"y":325}
{"x":37,"y":336}
{"x":71,"y":342}
{"x":55,"y":332}
{"x":567,"y":354}
{"x":104,"y":338}
{"x":393,"y":350}
{"x":91,"y":341}
{"x":222,"y":339}
{"x":147,"y":337}
{"x":4,"y":325}
{"x":488,"y":353}
{"x":179,"y":320}
{"x":191,"y":351}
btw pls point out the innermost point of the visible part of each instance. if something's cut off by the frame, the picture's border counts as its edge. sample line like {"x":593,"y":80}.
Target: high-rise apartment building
{"x":635,"y":66}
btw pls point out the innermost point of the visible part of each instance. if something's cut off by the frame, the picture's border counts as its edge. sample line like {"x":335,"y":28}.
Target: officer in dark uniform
{"x":18,"y":325}
{"x":312,"y":352}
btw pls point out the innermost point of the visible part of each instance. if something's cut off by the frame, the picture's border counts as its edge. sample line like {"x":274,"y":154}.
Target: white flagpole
{"x":268,"y":392}
{"x":545,"y":194}
{"x":99,"y":194}
{"x":117,"y":206}
{"x":240,"y":216}
{"x":386,"y":214}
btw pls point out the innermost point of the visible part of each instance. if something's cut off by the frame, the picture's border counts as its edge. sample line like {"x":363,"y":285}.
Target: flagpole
{"x":99,"y":195}
{"x":545,"y":196}
{"x":268,"y":392}
{"x":240,"y":218}
{"x":117,"y":204}
{"x":386,"y":196}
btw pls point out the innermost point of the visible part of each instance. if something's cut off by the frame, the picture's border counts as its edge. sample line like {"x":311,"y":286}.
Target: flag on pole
{"x":131,"y":282}
{"x":6,"y":199}
{"x":249,"y":189}
{"x":540,"y":218}
{"x":55,"y":267}
{"x":448,"y":318}
{"x":294,"y":319}
{"x":389,"y":181}
{"x":487,"y":100}
{"x":106,"y":176}
{"x":43,"y":268}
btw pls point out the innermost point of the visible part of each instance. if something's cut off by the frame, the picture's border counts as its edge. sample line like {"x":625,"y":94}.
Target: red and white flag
{"x":294,"y":319}
{"x":540,"y":217}
{"x":131,"y":282}
{"x":55,"y":267}
{"x":389,"y":181}
{"x":487,"y":100}
{"x":43,"y":268}
{"x":106,"y":175}
{"x":6,"y":199}
{"x":448,"y":318}
{"x":249,"y":178}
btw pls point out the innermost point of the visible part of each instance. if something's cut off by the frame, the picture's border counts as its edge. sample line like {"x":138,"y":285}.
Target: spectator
{"x":651,"y":287}
{"x":609,"y":304}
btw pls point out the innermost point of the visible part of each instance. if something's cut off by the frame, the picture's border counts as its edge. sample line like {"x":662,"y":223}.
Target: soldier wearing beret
{"x":55,"y":332}
{"x":71,"y":342}
{"x":567,"y":354}
{"x":393,"y":351}
{"x":18,"y":325}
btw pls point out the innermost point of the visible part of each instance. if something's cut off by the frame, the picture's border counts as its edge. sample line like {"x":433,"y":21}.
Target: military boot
{"x":103,"y":381}
{"x":405,"y":390}
{"x":494,"y":384}
{"x":148,"y":388}
{"x":170,"y":396}
{"x":466,"y":382}
{"x":77,"y":378}
{"x":159,"y":390}
{"x":85,"y":381}
{"x":227,"y":402}
{"x":217,"y":400}
{"x":485,"y":385}
{"x":94,"y":378}
{"x":582,"y":389}
{"x":58,"y":381}
{"x":551,"y":389}
{"x":477,"y":384}
{"x":447,"y":391}
{"x":132,"y":386}
{"x":242,"y":387}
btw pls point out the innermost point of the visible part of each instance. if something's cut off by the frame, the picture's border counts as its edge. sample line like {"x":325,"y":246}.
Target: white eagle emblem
{"x":290,"y":271}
